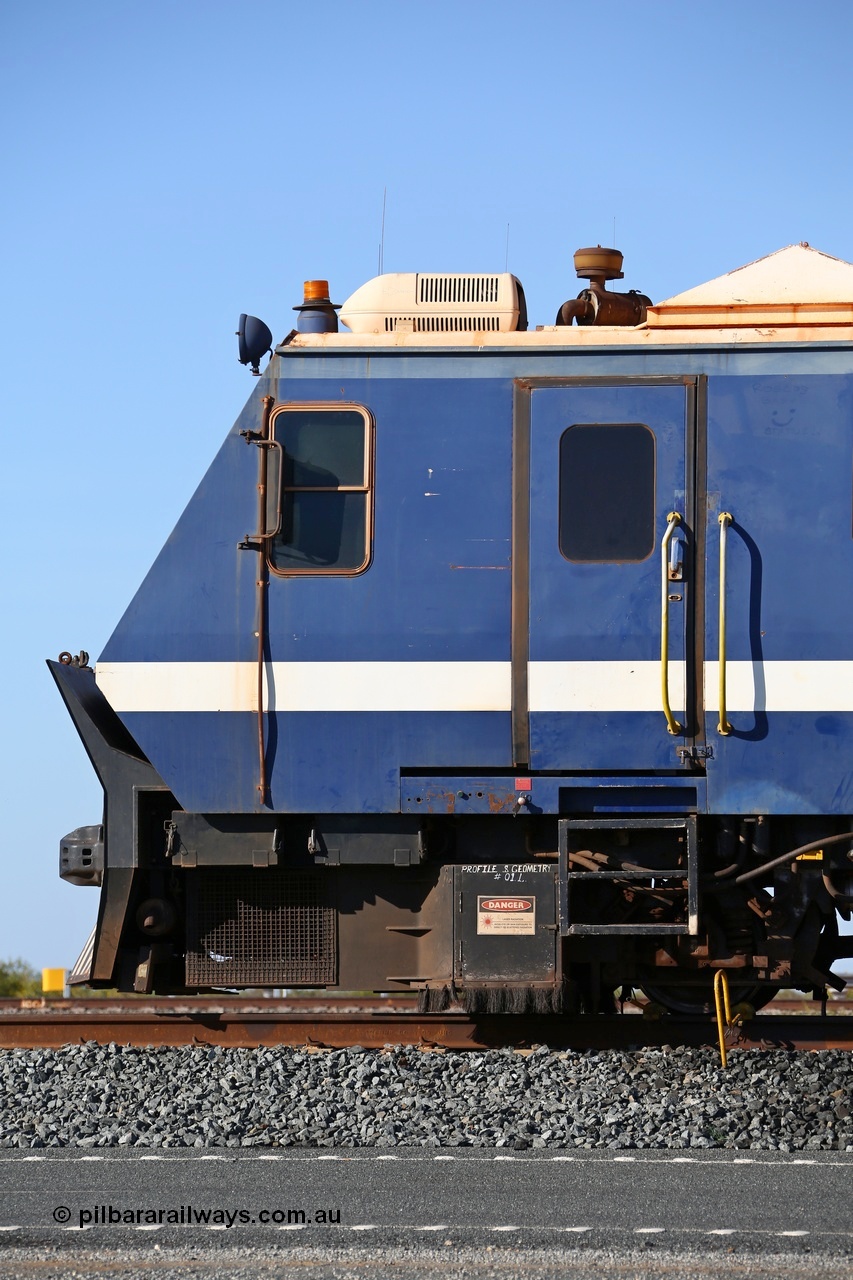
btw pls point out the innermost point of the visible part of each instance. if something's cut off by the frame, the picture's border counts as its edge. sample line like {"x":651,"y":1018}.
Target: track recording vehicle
{"x":506,"y":665}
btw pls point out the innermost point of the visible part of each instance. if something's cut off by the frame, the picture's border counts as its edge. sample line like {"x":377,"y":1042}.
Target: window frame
{"x":654,"y":475}
{"x":326,"y":406}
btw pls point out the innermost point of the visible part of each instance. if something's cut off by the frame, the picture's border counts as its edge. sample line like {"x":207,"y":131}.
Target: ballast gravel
{"x":111,"y":1096}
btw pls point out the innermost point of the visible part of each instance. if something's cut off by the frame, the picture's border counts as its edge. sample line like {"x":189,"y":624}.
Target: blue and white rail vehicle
{"x":508,"y":666}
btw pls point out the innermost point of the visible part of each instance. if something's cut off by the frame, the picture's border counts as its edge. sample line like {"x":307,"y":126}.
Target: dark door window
{"x":607,"y":492}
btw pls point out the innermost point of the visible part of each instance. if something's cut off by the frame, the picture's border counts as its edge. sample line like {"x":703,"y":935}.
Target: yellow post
{"x":724,"y":1013}
{"x":53,"y":982}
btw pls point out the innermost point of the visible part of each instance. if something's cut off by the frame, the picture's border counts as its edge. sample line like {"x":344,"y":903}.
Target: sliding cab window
{"x":607,"y":492}
{"x":324,"y":491}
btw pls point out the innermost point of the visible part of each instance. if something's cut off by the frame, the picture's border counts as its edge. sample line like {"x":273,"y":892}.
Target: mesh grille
{"x":444,"y":324}
{"x":259,"y":928}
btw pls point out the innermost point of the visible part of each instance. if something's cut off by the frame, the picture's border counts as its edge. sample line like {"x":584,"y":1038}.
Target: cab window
{"x":324,"y":490}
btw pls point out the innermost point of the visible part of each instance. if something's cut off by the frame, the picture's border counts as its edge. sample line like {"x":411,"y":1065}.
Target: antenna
{"x":382,"y":234}
{"x":506,"y":259}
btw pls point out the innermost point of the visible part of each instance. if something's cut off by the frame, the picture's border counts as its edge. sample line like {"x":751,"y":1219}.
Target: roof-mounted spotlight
{"x":254,"y":340}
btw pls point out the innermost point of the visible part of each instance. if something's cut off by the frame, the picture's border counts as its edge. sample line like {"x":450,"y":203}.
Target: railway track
{"x":331,"y":1022}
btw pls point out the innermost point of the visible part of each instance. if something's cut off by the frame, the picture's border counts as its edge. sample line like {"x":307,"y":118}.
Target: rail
{"x":343,"y":1022}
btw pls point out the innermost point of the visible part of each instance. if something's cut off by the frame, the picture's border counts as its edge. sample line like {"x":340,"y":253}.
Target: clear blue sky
{"x":168,"y":165}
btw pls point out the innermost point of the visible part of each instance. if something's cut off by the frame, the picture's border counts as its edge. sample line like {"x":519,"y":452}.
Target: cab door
{"x":779,"y":613}
{"x":610,"y":506}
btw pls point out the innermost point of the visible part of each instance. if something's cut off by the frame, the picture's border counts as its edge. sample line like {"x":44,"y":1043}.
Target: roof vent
{"x":410,"y":302}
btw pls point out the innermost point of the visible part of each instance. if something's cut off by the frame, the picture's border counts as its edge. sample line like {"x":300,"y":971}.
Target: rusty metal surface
{"x":119,"y":1006}
{"x":341,"y":1022}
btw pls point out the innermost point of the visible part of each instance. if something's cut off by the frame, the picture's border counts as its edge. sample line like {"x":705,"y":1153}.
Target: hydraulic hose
{"x":790,"y":857}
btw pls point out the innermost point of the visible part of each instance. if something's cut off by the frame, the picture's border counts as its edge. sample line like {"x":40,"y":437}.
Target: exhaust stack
{"x":597,"y":304}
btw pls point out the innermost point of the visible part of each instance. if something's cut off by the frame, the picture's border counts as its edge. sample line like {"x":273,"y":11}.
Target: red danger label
{"x":506,"y":904}
{"x":506,"y":915}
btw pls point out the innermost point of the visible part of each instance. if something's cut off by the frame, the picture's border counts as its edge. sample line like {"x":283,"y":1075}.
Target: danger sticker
{"x":506,"y":915}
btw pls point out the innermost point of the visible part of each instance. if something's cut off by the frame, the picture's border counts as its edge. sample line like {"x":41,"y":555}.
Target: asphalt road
{"x":428,"y":1211}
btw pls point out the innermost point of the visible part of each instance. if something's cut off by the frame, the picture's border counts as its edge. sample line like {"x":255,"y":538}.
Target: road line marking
{"x":119,"y":1155}
{"x":764,"y":1232}
{"x":624,"y":1159}
{"x":387,"y":1157}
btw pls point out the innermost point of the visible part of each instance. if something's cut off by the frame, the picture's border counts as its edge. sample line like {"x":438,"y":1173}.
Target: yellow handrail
{"x":725,"y":519}
{"x":721,"y":985}
{"x":673,"y":521}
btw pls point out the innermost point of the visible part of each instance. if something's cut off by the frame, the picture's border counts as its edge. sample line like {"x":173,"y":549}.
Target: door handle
{"x":725,"y":519}
{"x":676,"y":560}
{"x":673,"y":521}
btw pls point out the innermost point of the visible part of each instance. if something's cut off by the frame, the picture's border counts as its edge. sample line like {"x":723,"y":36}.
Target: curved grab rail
{"x":725,"y":519}
{"x":266,"y":535}
{"x":673,"y":521}
{"x":723,"y":1010}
